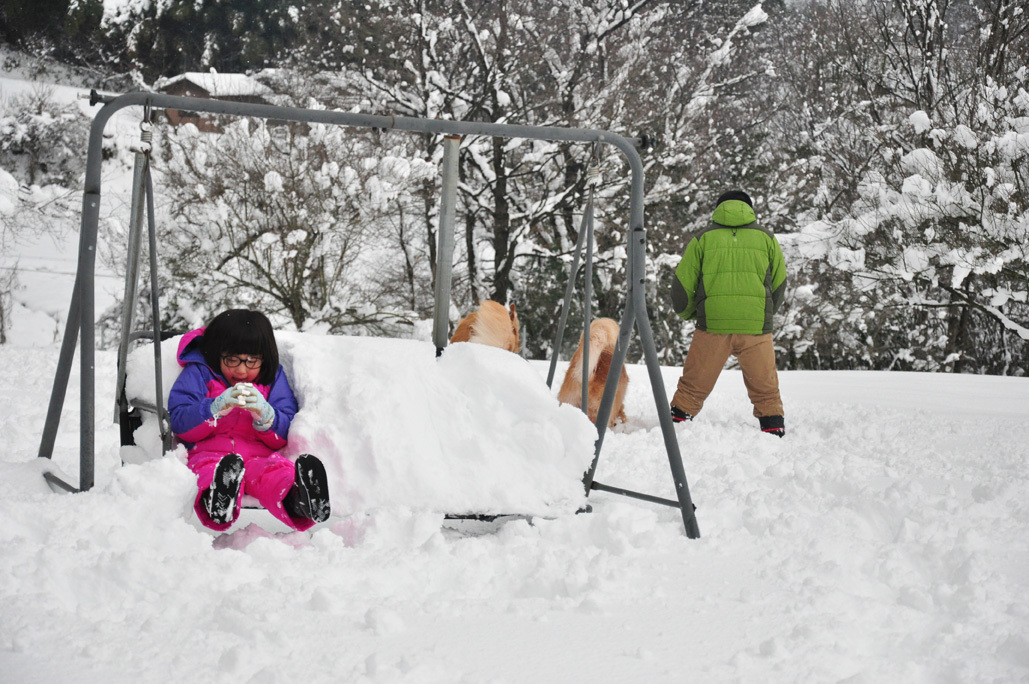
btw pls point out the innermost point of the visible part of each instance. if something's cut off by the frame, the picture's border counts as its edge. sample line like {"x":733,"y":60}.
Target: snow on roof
{"x":218,"y":85}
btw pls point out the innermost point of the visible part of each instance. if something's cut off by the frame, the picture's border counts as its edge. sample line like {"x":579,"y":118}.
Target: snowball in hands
{"x":242,"y":395}
{"x":264,"y":414}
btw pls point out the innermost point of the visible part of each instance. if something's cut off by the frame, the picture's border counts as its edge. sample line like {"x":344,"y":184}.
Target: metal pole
{"x":587,"y":305}
{"x":87,"y":337}
{"x":445,"y":251}
{"x":635,"y":495}
{"x":611,"y":386}
{"x":79,"y":311}
{"x":628,"y":315}
{"x":559,"y":337}
{"x":131,"y":280}
{"x":682,"y":490}
{"x":163,"y":421}
{"x":60,"y":388}
{"x":337,"y":118}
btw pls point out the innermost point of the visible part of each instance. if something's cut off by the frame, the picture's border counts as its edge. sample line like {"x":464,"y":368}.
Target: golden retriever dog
{"x":603,"y":337}
{"x":490,"y":324}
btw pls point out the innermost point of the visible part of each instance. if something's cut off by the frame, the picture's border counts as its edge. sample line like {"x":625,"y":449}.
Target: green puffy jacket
{"x":732,"y":276}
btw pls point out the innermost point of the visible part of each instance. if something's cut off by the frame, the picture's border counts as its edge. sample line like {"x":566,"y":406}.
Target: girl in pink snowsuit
{"x":232,"y":405}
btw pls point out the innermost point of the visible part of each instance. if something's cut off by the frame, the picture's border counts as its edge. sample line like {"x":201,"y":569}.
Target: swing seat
{"x":473,"y":433}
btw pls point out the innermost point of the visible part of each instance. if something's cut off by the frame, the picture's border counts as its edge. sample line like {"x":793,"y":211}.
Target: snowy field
{"x":885,"y":539}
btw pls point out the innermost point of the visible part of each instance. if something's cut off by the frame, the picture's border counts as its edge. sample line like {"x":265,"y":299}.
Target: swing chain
{"x":146,"y":133}
{"x":593,"y":176}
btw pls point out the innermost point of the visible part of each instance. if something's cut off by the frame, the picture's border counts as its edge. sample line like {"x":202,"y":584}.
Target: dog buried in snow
{"x":603,"y":337}
{"x":490,"y":324}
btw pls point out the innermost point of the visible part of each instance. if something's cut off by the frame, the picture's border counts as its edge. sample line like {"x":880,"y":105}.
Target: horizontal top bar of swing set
{"x":113,"y":103}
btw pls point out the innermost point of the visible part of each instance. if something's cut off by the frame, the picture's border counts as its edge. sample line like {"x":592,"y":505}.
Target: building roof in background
{"x":218,"y":85}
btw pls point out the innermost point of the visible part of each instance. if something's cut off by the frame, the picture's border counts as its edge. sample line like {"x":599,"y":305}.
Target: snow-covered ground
{"x":886,"y":538}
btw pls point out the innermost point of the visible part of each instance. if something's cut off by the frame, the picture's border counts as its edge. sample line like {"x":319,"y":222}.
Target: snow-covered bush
{"x":306,"y":224}
{"x":914,"y":253}
{"x":41,"y":141}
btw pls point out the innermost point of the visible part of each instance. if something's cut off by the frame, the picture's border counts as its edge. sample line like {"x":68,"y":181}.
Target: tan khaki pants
{"x":705,"y":359}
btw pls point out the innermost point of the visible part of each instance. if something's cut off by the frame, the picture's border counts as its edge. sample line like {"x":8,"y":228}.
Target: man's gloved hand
{"x":225,"y":402}
{"x":264,"y":414}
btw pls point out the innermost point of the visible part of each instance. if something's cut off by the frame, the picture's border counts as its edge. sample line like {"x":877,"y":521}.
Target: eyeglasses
{"x":250,"y":361}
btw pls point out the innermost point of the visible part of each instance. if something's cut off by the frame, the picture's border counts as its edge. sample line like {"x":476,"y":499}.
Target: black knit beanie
{"x":735,"y":195}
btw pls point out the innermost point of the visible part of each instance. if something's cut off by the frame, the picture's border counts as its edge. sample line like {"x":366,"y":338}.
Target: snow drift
{"x":884,"y":539}
{"x":476,"y":431}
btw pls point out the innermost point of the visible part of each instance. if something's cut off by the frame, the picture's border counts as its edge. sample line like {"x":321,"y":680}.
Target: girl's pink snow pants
{"x":266,"y":478}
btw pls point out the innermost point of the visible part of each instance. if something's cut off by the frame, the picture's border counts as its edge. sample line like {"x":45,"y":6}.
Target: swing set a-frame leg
{"x":636,"y":314}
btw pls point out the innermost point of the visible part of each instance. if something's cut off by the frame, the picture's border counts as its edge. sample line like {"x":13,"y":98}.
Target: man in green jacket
{"x":731,"y":279}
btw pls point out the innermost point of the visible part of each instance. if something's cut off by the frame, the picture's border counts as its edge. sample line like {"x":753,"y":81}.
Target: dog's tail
{"x":603,"y":338}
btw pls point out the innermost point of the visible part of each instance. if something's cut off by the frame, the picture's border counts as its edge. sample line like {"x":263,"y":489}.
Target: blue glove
{"x":264,"y":414}
{"x":225,"y":402}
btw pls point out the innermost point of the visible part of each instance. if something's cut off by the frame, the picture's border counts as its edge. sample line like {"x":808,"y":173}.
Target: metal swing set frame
{"x":80,"y":326}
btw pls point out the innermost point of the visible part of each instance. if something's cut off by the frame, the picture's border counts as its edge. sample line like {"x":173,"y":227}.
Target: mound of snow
{"x":475,"y":431}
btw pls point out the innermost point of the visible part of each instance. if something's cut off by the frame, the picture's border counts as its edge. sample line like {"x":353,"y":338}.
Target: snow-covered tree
{"x":931,"y":240}
{"x":708,"y":106}
{"x":42,"y":156}
{"x":42,"y":142}
{"x":289,"y":220}
{"x":504,"y":62}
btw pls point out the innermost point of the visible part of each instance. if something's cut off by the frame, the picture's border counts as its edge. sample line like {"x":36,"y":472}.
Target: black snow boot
{"x":680,"y":416}
{"x":309,"y":495}
{"x":220,"y":497}
{"x":774,"y":425}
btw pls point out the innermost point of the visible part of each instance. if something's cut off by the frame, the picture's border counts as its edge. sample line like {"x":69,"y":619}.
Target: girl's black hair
{"x":239,"y":331}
